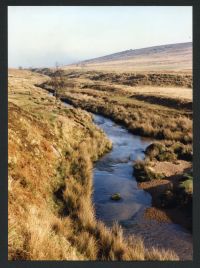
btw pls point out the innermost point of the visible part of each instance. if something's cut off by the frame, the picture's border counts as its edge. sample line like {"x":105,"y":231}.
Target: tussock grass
{"x":139,"y":121}
{"x":158,"y":117}
{"x":169,"y":151}
{"x":144,"y":172}
{"x":124,"y":78}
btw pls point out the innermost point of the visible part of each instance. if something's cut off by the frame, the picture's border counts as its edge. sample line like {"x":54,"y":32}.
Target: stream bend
{"x":114,"y":173}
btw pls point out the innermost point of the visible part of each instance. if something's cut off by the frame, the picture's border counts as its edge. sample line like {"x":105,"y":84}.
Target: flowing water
{"x":113,"y":173}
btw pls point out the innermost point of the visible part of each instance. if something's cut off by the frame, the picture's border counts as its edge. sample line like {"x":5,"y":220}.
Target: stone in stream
{"x":116,"y":197}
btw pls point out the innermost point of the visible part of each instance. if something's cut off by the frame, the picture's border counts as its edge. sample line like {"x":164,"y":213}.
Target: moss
{"x":187,"y":185}
{"x":116,"y":197}
{"x":184,"y":193}
{"x":180,"y":195}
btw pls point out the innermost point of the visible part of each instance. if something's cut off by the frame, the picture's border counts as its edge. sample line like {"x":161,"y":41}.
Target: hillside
{"x":168,"y":58}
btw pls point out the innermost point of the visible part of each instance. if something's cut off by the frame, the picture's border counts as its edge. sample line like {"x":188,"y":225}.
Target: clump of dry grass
{"x":144,"y":172}
{"x":169,"y":151}
{"x":160,"y":255}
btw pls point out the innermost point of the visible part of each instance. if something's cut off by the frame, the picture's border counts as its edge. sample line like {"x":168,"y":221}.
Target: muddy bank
{"x":170,"y":215}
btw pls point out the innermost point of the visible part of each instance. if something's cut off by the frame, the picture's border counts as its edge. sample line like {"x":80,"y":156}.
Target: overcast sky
{"x":41,"y":36}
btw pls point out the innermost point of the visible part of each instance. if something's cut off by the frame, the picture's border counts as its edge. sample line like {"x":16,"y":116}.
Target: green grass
{"x":187,"y":185}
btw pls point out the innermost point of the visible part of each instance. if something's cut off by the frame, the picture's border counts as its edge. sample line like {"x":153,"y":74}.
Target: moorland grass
{"x":51,"y":215}
{"x":144,"y":118}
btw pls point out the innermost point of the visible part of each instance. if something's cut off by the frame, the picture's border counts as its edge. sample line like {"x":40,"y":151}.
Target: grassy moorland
{"x":158,"y":106}
{"x":51,"y":151}
{"x":166,"y":58}
{"x":151,"y":114}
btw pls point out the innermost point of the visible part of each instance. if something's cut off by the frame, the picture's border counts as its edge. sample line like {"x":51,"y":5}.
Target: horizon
{"x":98,"y":30}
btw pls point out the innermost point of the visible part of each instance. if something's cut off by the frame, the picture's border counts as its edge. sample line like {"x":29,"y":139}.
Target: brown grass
{"x":157,"y":116}
{"x":51,"y":150}
{"x":169,"y":58}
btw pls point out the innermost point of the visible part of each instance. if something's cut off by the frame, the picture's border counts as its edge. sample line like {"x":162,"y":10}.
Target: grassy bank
{"x":51,"y":151}
{"x":162,"y":112}
{"x":147,"y":116}
{"x":166,"y":173}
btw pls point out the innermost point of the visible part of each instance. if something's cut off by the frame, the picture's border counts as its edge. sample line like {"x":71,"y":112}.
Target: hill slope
{"x":170,"y":58}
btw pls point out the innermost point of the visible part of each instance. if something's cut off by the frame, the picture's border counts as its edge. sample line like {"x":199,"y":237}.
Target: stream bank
{"x":114,"y":173}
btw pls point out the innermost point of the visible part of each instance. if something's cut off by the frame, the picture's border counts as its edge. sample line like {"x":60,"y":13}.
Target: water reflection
{"x":114,"y":173}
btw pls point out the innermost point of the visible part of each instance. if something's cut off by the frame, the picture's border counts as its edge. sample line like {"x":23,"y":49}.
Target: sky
{"x":41,"y":36}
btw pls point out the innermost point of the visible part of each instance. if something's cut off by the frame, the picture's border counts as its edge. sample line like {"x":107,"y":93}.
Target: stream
{"x":113,"y":173}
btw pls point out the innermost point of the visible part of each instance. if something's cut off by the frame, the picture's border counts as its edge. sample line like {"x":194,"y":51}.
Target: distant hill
{"x":173,"y":57}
